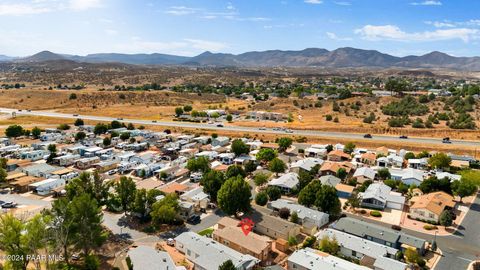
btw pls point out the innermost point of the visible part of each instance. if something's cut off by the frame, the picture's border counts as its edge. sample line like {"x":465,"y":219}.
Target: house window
{"x":354,"y":253}
{"x":431,"y":215}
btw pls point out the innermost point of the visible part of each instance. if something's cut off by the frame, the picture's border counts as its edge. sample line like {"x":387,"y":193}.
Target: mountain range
{"x":311,"y":57}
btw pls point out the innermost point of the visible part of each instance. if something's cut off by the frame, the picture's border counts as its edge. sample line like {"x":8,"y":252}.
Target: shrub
{"x":375,"y":213}
{"x":363,"y":211}
{"x":407,"y":106}
{"x":328,"y":117}
{"x":429,"y":227}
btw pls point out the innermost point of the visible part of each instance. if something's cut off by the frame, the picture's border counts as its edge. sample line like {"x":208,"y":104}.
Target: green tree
{"x":292,"y":241}
{"x":125,"y":189}
{"x":327,"y":200}
{"x":63,"y":127}
{"x":3,"y":162}
{"x":349,"y":147}
{"x":260,"y":179}
{"x":80,"y":136}
{"x":200,"y":164}
{"x":354,"y":201}
{"x":239,"y":147}
{"x":91,"y":184}
{"x":100,"y":129}
{"x":107,"y":141}
{"x":250,"y":166}
{"x":52,"y":148}
{"x":277,"y":166}
{"x":212,"y":181}
{"x":411,"y":255}
{"x":140,"y":203}
{"x":62,"y":227}
{"x":409,"y":155}
{"x":3,"y":175}
{"x":235,"y":170}
{"x":329,"y":246}
{"x":234,"y":196}
{"x":383,"y":173}
{"x":464,"y":187}
{"x":446,"y":218}
{"x":341,"y":173}
{"x":36,"y":236}
{"x":12,"y":240}
{"x":187,"y":108}
{"x":308,"y":194}
{"x":36,"y":132}
{"x":266,"y":155}
{"x":79,"y":122}
{"x":227,"y":265}
{"x":284,"y":143}
{"x":178,"y":111}
{"x":87,"y":226}
{"x":229,"y":118}
{"x":294,"y":217}
{"x":274,"y":193}
{"x":440,"y":161}
{"x":304,"y":178}
{"x":261,"y":198}
{"x":115,"y":124}
{"x":165,"y":211}
{"x":130,"y":126}
{"x":14,"y":131}
{"x":125,"y":136}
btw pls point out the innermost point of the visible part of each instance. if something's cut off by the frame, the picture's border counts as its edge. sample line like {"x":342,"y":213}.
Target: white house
{"x":380,"y":196}
{"x":46,"y":186}
{"x":363,"y":174}
{"x":308,"y":217}
{"x":285,"y":182}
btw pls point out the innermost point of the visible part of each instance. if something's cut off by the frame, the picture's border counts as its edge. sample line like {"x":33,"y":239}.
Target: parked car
{"x":75,"y":115}
{"x":194,"y":219}
{"x":154,"y":121}
{"x":368,"y":136}
{"x":170,"y":242}
{"x":289,"y":131}
{"x":403,"y":137}
{"x":263,"y":128}
{"x":112,"y":172}
{"x":9,"y":205}
{"x":446,"y":140}
{"x":119,"y":118}
{"x":195,"y":177}
{"x":219,"y":125}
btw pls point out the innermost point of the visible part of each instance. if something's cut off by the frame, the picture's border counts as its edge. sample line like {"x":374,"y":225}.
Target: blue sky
{"x":189,"y":27}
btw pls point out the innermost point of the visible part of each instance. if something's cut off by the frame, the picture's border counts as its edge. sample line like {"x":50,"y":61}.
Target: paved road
{"x":458,"y":249}
{"x":241,"y":129}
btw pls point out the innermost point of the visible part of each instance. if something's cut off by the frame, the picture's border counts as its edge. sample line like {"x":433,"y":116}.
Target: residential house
{"x":364,"y":250}
{"x":286,"y":182}
{"x":363,"y":174}
{"x":66,"y":160}
{"x":196,"y":196}
{"x":86,"y":163}
{"x":344,"y":191}
{"x":310,"y":219}
{"x":46,"y":186}
{"x":338,"y":155}
{"x":330,"y":180}
{"x":232,"y":236}
{"x":408,"y":176}
{"x":430,"y":206}
{"x":390,"y":161}
{"x":380,"y":196}
{"x":226,"y":158}
{"x":380,"y":234}
{"x":312,"y":259}
{"x":207,"y":254}
{"x":39,"y":170}
{"x":306,"y":164}
{"x":272,"y":226}
{"x":146,"y":257}
{"x":315,"y":152}
{"x":331,"y":168}
{"x":220,"y":141}
{"x":418,"y":163}
{"x":368,"y":158}
{"x":34,"y":155}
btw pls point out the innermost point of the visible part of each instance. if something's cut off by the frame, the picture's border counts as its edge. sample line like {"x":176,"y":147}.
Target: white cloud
{"x":22,"y":9}
{"x":181,"y":10}
{"x":80,"y":5}
{"x":427,"y":3}
{"x":441,"y":24}
{"x":392,"y":32}
{"x":111,"y":32}
{"x":343,"y":3}
{"x":230,"y":6}
{"x":334,"y":36}
{"x":315,"y":2}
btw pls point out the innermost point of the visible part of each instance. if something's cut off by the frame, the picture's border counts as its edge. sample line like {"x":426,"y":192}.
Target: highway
{"x":317,"y":133}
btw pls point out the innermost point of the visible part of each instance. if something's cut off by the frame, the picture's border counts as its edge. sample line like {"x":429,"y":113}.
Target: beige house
{"x":430,"y":206}
{"x":271,"y":226}
{"x":232,"y":236}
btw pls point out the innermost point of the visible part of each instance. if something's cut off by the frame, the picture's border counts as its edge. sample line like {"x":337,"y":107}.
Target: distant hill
{"x":311,"y":57}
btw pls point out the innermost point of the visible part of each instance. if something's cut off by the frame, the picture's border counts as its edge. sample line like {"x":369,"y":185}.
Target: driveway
{"x":207,"y":221}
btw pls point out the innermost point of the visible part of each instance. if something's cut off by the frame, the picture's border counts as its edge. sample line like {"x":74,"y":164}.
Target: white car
{"x":170,"y":242}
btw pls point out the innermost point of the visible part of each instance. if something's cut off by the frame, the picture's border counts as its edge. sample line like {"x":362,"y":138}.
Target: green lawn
{"x":207,"y":231}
